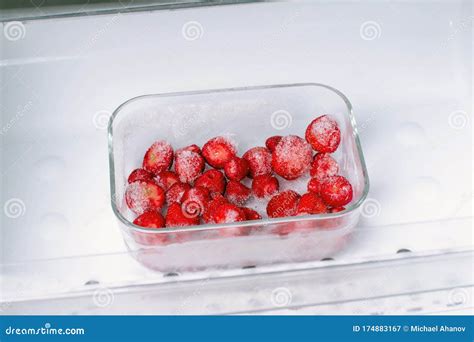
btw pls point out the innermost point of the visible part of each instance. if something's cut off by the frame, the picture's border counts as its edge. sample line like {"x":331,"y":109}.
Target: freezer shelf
{"x":63,"y":77}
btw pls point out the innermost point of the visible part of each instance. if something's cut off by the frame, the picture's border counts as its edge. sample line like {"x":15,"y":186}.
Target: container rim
{"x":262,"y":222}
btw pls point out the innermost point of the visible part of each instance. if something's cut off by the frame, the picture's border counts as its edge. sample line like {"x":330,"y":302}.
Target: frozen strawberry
{"x":314,"y":185}
{"x":336,"y":191}
{"x":337,"y":209}
{"x":166,"y":179}
{"x":188,"y":165}
{"x":192,"y":148}
{"x":323,"y":166}
{"x":237,"y":193}
{"x":217,"y":201}
{"x":150,"y":219}
{"x":323,"y":134}
{"x":213,"y":180}
{"x":194,"y":201}
{"x":271,"y":142}
{"x":311,"y":204}
{"x":139,"y":175}
{"x":218,"y":151}
{"x":236,"y":169}
{"x":159,"y":157}
{"x":228,"y":213}
{"x":283,"y":204}
{"x":251,"y":214}
{"x":176,"y":218}
{"x":291,"y":157}
{"x":141,"y":196}
{"x":175,"y":192}
{"x":260,"y":161}
{"x":264,"y":186}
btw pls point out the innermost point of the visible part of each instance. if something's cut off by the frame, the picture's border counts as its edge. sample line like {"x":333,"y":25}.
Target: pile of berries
{"x":206,"y":185}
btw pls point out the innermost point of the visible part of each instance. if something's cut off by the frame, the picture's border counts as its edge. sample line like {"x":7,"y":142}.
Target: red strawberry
{"x":188,"y":165}
{"x":323,"y":134}
{"x":141,"y":196}
{"x":218,"y":151}
{"x":139,"y":175}
{"x":194,"y":201}
{"x":251,"y":214}
{"x":311,"y":204}
{"x":237,"y":193}
{"x":213,"y":180}
{"x":228,"y":213}
{"x":260,"y":161}
{"x":176,"y":218}
{"x":314,"y":185}
{"x":217,"y":201}
{"x":264,"y":186}
{"x":150,"y":219}
{"x":236,"y":169}
{"x":166,"y":179}
{"x":271,"y":142}
{"x":158,"y":157}
{"x":291,"y":157}
{"x":283,"y":204}
{"x":337,"y":209}
{"x":193,"y":148}
{"x":175,"y":192}
{"x":323,"y":166}
{"x":336,"y":191}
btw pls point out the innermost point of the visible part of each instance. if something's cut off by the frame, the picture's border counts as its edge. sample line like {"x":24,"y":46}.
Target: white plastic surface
{"x":408,"y":81}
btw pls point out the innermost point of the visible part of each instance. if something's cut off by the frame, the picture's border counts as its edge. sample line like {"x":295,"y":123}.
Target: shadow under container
{"x":247,"y":115}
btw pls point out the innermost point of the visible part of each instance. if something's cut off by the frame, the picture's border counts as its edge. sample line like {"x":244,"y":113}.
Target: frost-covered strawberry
{"x":194,"y":201}
{"x":283,"y":204}
{"x":188,"y":166}
{"x":175,"y":192}
{"x":323,"y":134}
{"x":218,"y":151}
{"x":237,"y":193}
{"x":158,"y":157}
{"x":251,"y":214}
{"x":150,"y":219}
{"x":323,"y":166}
{"x":166,"y":179}
{"x":259,"y":160}
{"x":265,"y":186}
{"x":291,"y":157}
{"x":311,"y":204}
{"x":228,"y":213}
{"x":176,"y":218}
{"x":314,"y":185}
{"x":213,"y":180}
{"x":211,"y":206}
{"x":236,"y":169}
{"x":193,"y":148}
{"x":336,"y":191}
{"x":271,"y":142}
{"x":142,"y":196}
{"x":140,"y":175}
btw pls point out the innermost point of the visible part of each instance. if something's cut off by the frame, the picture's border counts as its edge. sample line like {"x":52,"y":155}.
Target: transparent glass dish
{"x":248,"y":115}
